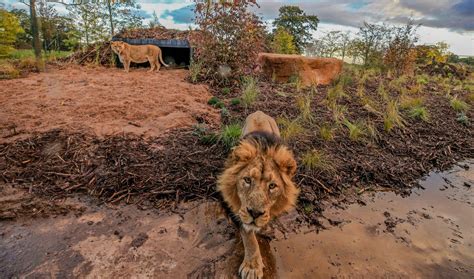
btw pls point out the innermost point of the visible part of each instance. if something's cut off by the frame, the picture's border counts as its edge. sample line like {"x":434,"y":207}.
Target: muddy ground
{"x":427,"y":235}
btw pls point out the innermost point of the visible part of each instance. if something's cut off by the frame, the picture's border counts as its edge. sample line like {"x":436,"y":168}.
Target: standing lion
{"x":139,"y":54}
{"x":257,"y":184}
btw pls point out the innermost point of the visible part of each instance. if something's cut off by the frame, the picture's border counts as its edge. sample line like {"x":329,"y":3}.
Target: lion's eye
{"x":247,"y":180}
{"x":272,"y":186}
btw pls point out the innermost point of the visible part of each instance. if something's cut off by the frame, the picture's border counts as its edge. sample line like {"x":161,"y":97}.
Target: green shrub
{"x":235,"y":102}
{"x":194,"y":69}
{"x":462,"y":118}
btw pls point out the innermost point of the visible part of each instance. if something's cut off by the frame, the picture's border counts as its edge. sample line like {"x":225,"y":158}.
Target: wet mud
{"x":429,"y":234}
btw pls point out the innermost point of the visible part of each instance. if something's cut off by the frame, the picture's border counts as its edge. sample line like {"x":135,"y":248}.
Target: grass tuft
{"x":230,"y":135}
{"x":327,"y":132}
{"x":289,"y":128}
{"x":420,"y":113}
{"x":304,"y":106}
{"x":250,"y":91}
{"x":356,"y":130}
{"x":392,"y":117}
{"x":316,"y":160}
{"x":458,"y":105}
{"x":194,"y":70}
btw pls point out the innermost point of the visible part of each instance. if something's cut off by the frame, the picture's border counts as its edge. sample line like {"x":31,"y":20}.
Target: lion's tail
{"x":160,"y":57}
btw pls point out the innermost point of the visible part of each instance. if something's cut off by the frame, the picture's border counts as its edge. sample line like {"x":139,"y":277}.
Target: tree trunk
{"x":109,"y":6}
{"x":35,"y":33}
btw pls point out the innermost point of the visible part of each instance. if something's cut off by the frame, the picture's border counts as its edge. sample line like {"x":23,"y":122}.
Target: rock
{"x":311,"y":70}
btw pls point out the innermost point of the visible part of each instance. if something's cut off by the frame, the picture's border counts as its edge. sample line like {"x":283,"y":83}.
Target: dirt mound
{"x":445,"y":70}
{"x":102,"y":102}
{"x":311,"y":70}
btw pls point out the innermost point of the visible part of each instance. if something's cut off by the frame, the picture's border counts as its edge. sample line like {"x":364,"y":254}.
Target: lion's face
{"x":117,"y":46}
{"x":257,"y":183}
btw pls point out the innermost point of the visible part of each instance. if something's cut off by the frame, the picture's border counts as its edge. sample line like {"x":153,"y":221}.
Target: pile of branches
{"x":445,"y":70}
{"x":159,"y":33}
{"x":151,"y":173}
{"x":99,"y":53}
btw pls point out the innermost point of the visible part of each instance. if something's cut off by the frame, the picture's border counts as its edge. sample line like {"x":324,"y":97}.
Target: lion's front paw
{"x":251,"y":269}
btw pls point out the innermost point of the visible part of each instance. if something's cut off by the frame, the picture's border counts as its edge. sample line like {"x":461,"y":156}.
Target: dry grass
{"x":407,"y":102}
{"x":250,"y":91}
{"x":303,"y":102}
{"x":458,"y":105}
{"x":326,"y":132}
{"x":8,"y":71}
{"x":392,"y":117}
{"x":338,"y":113}
{"x":317,"y":160}
{"x":289,"y":128}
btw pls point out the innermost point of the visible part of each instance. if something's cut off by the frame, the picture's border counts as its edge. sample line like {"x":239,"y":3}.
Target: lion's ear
{"x":244,"y":152}
{"x":285,"y":161}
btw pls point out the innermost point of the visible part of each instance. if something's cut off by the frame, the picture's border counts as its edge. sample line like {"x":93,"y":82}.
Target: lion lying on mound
{"x":139,"y":54}
{"x":257,"y":184}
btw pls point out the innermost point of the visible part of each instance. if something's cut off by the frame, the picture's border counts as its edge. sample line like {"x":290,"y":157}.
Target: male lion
{"x":257,"y":184}
{"x":139,"y":54}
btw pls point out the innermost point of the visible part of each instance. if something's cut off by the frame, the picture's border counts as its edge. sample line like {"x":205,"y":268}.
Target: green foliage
{"x":298,"y":24}
{"x":250,"y":91}
{"x":225,"y":90}
{"x":289,"y":128}
{"x":283,"y":42}
{"x":215,"y":102}
{"x":334,"y":94}
{"x":235,"y":102}
{"x":9,"y":30}
{"x":419,"y":112}
{"x":356,"y":130}
{"x":422,"y":79}
{"x":392,"y":117}
{"x":462,"y":118}
{"x":316,"y":160}
{"x":326,"y":132}
{"x":230,"y":135}
{"x":458,"y":105}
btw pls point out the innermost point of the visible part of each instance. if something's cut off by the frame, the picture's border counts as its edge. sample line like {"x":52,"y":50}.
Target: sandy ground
{"x":427,"y":235}
{"x":101,"y":101}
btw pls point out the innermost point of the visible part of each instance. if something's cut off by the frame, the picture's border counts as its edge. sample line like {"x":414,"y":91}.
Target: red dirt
{"x":102,"y":102}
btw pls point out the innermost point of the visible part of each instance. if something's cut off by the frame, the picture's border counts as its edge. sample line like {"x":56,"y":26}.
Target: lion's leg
{"x":152,"y":63}
{"x":126,"y":65}
{"x":158,"y":66}
{"x":252,"y":266}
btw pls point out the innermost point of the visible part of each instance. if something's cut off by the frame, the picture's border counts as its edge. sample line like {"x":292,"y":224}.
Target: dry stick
{"x":319,"y":182}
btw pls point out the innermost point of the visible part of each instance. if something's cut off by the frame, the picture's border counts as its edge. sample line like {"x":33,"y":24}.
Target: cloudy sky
{"x":451,"y":21}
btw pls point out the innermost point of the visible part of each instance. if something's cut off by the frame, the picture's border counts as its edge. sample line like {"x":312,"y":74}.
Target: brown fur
{"x":139,"y":54}
{"x":269,"y":167}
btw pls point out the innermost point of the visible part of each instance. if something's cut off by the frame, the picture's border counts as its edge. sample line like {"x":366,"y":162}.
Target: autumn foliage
{"x":230,"y":39}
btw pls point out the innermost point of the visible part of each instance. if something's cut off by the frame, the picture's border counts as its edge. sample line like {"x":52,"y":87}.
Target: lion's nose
{"x":255,"y":213}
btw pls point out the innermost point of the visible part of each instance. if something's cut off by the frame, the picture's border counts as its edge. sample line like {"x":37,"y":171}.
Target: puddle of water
{"x":427,"y":235}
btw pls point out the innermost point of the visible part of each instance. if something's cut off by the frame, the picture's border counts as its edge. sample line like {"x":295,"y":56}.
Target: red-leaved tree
{"x":229,"y":41}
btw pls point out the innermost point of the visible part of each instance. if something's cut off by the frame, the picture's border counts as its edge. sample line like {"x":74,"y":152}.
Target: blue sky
{"x":451,"y":21}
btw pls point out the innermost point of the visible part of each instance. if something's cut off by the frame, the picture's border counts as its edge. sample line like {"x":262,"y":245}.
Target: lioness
{"x":139,"y":54}
{"x":257,"y":184}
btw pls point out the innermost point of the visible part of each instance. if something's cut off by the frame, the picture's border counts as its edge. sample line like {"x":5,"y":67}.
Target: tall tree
{"x":298,"y":24}
{"x":9,"y":29}
{"x":89,"y":18}
{"x":283,"y":42}
{"x":48,"y":17}
{"x":23,"y":40}
{"x":155,"y":21}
